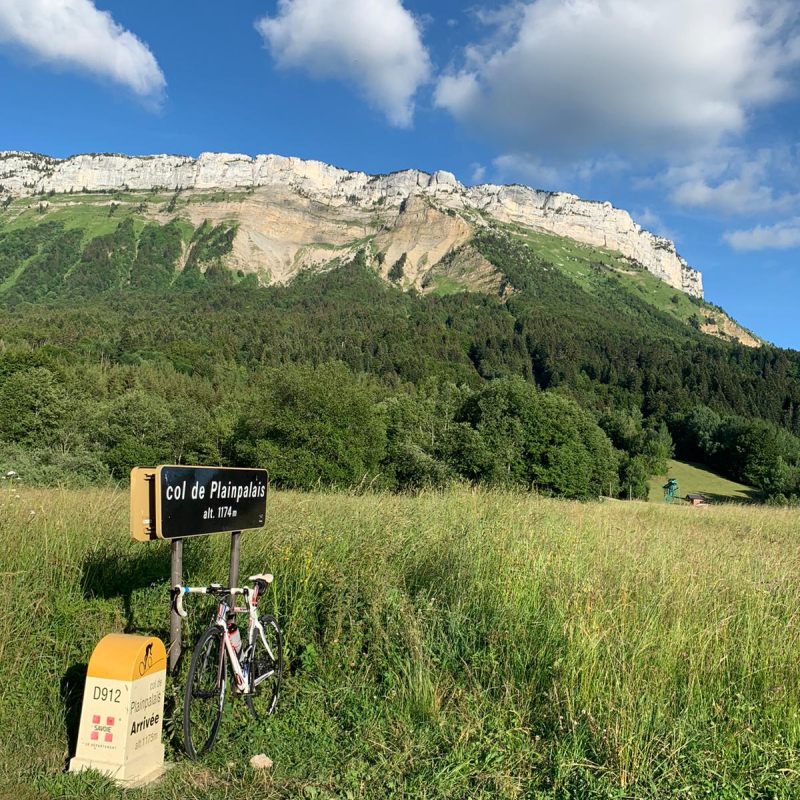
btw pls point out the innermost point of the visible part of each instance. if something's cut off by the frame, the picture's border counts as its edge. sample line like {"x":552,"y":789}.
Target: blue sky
{"x":684,"y":112}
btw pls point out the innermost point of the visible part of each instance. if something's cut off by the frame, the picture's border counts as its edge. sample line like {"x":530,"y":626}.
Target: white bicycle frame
{"x":244,"y":681}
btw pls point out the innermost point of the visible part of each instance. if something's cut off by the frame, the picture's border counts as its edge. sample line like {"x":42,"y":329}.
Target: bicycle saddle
{"x":266,"y":577}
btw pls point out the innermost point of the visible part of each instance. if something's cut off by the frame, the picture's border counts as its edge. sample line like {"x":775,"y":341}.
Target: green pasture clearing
{"x":100,"y":198}
{"x":591,"y":266}
{"x":477,"y":644}
{"x":696,"y":479}
{"x":219,"y":196}
{"x":186,"y":228}
{"x":441,"y":285}
{"x":93,"y":218}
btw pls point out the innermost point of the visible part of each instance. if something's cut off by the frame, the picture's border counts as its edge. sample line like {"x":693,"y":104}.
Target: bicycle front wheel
{"x":266,"y":669}
{"x":205,"y":693}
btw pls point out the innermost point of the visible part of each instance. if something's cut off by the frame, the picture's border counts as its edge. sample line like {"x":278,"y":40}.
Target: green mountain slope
{"x":100,"y":214}
{"x":126,"y":304}
{"x":596,"y":269}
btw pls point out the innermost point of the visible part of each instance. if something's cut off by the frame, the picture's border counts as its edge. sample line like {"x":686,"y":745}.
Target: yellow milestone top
{"x":124,"y":657}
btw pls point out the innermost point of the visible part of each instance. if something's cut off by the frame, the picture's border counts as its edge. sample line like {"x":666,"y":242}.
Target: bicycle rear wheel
{"x":205,"y":693}
{"x":266,"y":669}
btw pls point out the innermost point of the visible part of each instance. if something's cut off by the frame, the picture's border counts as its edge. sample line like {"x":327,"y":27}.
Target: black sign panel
{"x":197,"y":500}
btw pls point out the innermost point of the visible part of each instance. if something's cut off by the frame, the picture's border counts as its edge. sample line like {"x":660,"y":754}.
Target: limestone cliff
{"x":291,"y":187}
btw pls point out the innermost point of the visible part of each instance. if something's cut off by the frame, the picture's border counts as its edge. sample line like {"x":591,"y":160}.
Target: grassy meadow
{"x":696,"y":479}
{"x":463,"y":644}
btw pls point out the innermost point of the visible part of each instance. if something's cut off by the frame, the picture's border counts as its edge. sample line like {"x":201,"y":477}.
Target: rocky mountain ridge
{"x":435,"y":206}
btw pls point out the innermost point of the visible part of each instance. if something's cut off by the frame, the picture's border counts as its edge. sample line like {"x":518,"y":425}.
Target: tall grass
{"x":463,"y":644}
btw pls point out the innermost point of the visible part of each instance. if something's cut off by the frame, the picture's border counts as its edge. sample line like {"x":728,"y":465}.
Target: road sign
{"x":123,"y":710}
{"x":174,"y":502}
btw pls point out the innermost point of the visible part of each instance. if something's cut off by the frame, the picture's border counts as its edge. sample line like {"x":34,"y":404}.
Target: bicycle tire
{"x":206,"y":680}
{"x":266,"y":671}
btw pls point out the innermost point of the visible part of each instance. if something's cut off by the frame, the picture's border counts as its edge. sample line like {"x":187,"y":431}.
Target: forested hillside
{"x":131,"y":343}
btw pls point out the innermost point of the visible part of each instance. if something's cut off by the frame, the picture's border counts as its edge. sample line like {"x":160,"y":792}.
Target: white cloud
{"x":75,"y":34}
{"x":652,"y":222}
{"x":739,"y":195}
{"x":478,"y":172}
{"x":577,"y":77}
{"x":732,"y":181}
{"x":520,"y":168}
{"x":541,"y":174}
{"x":505,"y":19}
{"x":374,"y":44}
{"x":781,"y":236}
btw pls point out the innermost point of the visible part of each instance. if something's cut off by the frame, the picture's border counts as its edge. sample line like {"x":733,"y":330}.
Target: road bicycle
{"x":256,"y":665}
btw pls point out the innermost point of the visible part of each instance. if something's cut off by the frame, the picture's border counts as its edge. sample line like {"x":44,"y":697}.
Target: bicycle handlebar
{"x":214,"y":588}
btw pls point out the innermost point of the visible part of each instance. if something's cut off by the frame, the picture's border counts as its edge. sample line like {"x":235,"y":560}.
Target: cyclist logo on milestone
{"x":147,"y":661}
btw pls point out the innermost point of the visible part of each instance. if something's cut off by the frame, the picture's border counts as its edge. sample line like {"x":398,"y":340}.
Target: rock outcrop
{"x":556,"y":212}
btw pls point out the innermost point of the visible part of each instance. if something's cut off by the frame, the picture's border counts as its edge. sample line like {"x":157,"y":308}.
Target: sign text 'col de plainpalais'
{"x":171,"y":502}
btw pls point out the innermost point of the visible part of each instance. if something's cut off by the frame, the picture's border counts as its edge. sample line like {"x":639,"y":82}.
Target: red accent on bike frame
{"x":239,"y":681}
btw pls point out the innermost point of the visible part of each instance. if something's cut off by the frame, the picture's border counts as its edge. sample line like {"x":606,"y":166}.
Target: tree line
{"x":112,"y":357}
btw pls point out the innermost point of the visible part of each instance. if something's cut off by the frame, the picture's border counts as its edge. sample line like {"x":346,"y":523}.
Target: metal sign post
{"x":175,"y":579}
{"x":233,"y":571}
{"x":176,"y":502}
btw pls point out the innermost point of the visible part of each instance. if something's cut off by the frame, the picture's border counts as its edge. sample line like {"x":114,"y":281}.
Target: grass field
{"x":453,"y":645}
{"x":695,"y":479}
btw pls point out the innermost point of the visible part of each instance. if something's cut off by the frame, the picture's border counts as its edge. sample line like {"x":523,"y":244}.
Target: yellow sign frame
{"x":143,"y":504}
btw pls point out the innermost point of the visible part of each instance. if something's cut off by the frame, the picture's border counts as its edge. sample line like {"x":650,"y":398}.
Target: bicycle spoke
{"x":205,"y":694}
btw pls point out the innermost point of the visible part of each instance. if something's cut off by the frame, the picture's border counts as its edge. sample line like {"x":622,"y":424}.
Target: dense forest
{"x":140,"y":346}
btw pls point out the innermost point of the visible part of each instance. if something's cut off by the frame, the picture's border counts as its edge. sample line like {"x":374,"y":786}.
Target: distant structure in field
{"x":671,"y":491}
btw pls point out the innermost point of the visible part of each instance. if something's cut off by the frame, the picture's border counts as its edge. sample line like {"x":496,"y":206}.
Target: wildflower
{"x":10,"y":473}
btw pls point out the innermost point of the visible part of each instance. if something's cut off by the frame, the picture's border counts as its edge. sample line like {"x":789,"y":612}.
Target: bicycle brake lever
{"x":178,"y":592}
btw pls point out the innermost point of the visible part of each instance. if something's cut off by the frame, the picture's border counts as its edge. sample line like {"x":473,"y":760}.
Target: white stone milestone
{"x":123,"y":710}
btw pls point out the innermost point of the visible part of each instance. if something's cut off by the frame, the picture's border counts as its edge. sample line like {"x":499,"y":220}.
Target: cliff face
{"x":563,"y":214}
